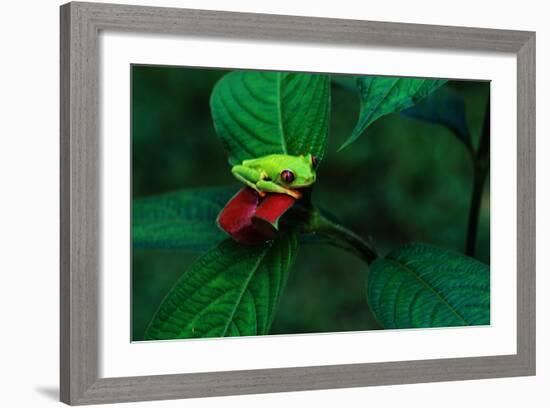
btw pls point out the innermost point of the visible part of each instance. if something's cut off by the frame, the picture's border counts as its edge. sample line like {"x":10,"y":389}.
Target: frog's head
{"x":299,"y":171}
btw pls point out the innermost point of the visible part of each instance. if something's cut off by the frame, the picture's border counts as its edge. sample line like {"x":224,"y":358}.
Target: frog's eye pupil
{"x":314,"y":161}
{"x":287,"y":176}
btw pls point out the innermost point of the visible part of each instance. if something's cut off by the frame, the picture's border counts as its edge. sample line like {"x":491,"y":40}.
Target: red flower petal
{"x":250,"y":219}
{"x":268,"y":213}
{"x":236,"y":217}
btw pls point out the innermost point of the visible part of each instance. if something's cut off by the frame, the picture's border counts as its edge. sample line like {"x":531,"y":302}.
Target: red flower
{"x":250,"y":219}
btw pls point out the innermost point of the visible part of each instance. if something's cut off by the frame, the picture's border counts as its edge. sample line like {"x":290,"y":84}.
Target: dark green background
{"x":403,"y":180}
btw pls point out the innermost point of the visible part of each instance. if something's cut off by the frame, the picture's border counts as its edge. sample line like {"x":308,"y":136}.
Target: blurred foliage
{"x":403,"y":180}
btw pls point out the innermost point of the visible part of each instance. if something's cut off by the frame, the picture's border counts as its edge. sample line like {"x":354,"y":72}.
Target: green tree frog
{"x":277,"y":173}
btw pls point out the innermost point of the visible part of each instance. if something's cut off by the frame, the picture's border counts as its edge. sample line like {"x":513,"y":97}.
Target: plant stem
{"x":480,"y":173}
{"x":345,"y":84}
{"x":319,"y":223}
{"x":481,"y":169}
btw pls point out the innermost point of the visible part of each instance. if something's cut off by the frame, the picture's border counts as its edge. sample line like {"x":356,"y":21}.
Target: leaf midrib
{"x":423,"y":282}
{"x":280,"y":112}
{"x":243,"y":290}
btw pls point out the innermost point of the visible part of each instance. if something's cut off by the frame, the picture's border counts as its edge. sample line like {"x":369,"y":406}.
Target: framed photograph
{"x":261,"y":203}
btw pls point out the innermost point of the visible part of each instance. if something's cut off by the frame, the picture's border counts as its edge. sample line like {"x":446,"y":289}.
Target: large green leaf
{"x":184,"y":220}
{"x":232,"y":290}
{"x":420,"y":285}
{"x":259,"y":113}
{"x":380,"y":96}
{"x":444,"y":107}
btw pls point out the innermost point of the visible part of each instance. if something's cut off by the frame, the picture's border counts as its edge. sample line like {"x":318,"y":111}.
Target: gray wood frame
{"x":80,"y":155}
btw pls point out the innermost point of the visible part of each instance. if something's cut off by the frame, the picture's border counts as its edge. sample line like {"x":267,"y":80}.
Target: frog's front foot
{"x":295,"y":193}
{"x":262,"y":194}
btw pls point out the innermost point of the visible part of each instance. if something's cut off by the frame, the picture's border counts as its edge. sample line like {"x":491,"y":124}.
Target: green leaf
{"x":420,"y":285}
{"x":184,"y":220}
{"x":444,"y":107}
{"x":232,"y":290}
{"x":259,"y":113}
{"x":380,"y":96}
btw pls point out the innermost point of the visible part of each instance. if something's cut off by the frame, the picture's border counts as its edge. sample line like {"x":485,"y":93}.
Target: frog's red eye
{"x":314,"y":161}
{"x":287,"y":176}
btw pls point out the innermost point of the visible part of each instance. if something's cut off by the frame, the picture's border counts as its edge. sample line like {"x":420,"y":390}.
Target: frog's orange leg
{"x":272,"y":187}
